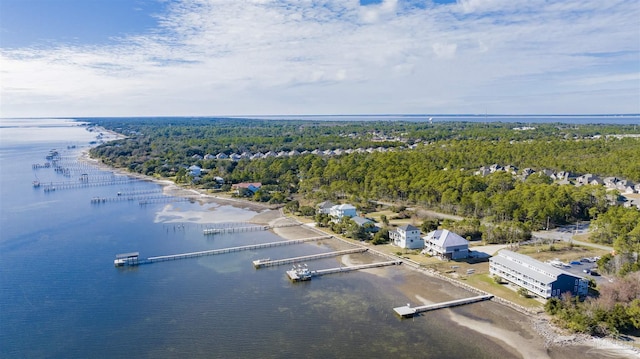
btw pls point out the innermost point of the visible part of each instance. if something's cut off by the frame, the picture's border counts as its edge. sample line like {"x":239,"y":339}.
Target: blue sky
{"x":241,"y":57}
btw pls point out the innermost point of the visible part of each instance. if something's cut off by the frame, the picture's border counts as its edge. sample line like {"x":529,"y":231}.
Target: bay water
{"x":62,"y":297}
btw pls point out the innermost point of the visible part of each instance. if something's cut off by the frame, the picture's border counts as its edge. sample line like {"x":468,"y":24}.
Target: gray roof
{"x":361,"y":221}
{"x":444,"y":238}
{"x":545,"y":273}
{"x":326,"y":204}
{"x":408,"y":227}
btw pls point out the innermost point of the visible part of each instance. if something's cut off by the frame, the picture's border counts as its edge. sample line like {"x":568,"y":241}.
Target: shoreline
{"x":551,"y":336}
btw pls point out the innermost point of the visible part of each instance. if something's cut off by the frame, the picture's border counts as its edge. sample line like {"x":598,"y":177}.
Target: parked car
{"x":575,"y":262}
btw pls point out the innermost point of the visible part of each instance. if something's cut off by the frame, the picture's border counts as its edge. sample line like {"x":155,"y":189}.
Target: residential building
{"x":406,"y":236}
{"x":324,"y":207}
{"x":538,"y":278}
{"x":195,"y":170}
{"x":368,"y":225}
{"x":251,"y":186}
{"x":446,"y":244}
{"x":342,"y":210}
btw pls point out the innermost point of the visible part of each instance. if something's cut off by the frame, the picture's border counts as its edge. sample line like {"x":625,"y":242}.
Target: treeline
{"x":438,"y":173}
{"x":615,"y":310}
{"x":619,"y":227}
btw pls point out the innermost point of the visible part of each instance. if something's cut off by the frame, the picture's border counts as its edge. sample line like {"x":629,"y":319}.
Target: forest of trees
{"x":615,"y":310}
{"x":438,"y":172}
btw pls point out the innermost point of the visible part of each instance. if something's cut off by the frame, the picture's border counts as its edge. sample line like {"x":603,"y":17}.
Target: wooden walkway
{"x":173,"y":257}
{"x":408,"y":311}
{"x":211,"y":231}
{"x":259,"y":263}
{"x":320,"y":272}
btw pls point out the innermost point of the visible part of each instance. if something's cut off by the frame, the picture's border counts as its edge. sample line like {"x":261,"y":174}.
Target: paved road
{"x":566,"y":234}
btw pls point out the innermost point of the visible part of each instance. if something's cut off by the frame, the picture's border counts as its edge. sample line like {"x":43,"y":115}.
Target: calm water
{"x":61,"y":297}
{"x":631,"y":119}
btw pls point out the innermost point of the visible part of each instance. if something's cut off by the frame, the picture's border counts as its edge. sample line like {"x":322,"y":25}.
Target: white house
{"x":538,"y":278}
{"x":446,"y":244}
{"x":407,"y":236}
{"x":342,"y":210}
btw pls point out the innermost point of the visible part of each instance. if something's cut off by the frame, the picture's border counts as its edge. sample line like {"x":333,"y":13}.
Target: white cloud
{"x":213,"y":57}
{"x":445,"y":51}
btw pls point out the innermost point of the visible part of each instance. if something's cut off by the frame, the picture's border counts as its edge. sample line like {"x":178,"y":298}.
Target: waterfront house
{"x":446,"y":244}
{"x":324,"y":207}
{"x":342,"y":210}
{"x":407,"y":236}
{"x":253,"y":187}
{"x":538,"y":278}
{"x":368,"y":225}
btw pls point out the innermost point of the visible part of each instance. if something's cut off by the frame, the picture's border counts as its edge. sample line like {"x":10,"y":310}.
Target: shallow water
{"x":61,"y":297}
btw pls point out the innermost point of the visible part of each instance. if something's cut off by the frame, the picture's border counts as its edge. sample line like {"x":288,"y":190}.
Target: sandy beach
{"x":520,"y":334}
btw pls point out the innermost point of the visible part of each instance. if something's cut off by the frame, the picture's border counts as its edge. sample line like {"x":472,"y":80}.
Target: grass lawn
{"x":561,"y":250}
{"x":485,"y":282}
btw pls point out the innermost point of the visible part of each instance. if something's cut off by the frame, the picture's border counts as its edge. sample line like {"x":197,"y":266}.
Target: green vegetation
{"x":437,"y":173}
{"x":616,"y":310}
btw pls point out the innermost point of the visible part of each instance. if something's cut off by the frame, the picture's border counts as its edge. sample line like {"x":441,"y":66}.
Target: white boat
{"x":299,"y":273}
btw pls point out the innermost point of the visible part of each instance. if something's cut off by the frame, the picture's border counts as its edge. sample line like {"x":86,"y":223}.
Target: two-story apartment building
{"x":537,"y":277}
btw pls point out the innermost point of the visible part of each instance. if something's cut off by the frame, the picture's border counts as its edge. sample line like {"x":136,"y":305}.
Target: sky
{"x":94,"y":58}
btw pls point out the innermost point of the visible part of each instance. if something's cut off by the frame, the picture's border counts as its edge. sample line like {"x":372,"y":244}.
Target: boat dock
{"x":259,"y":263}
{"x":250,"y":228}
{"x":130,"y":262}
{"x":300,"y":274}
{"x":209,"y":231}
{"x":51,"y":186}
{"x":408,"y":311}
{"x":141,"y":199}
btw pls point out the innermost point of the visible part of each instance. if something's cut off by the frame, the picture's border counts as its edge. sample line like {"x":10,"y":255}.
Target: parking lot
{"x":578,"y":269}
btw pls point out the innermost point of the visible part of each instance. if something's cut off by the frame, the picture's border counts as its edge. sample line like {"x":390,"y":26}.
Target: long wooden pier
{"x":408,"y":311}
{"x":52,"y":186}
{"x":302,"y":273}
{"x":172,"y":257}
{"x":141,"y":199}
{"x":320,"y":272}
{"x":259,"y":263}
{"x":210,"y":231}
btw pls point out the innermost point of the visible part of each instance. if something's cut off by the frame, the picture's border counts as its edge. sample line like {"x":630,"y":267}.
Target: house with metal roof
{"x":446,"y":244}
{"x":368,"y":225}
{"x":539,"y":278}
{"x":342,"y":210}
{"x":406,"y":236}
{"x":324,"y":207}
